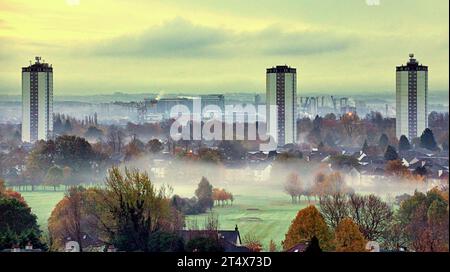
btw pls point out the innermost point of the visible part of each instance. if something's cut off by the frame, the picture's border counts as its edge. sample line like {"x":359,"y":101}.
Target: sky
{"x":220,"y":46}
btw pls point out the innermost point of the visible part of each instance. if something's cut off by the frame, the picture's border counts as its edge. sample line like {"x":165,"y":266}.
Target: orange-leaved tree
{"x":348,"y":238}
{"x":307,"y":224}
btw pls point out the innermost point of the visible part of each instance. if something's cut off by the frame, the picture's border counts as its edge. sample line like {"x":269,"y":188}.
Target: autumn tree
{"x":424,"y":219}
{"x":68,"y":219}
{"x":221,"y":196}
{"x":252,"y":242}
{"x":9,"y":193}
{"x":272,"y":246}
{"x":348,"y":238}
{"x":307,"y":224}
{"x":134,"y":149}
{"x":335,"y":184}
{"x":397,"y":169}
{"x":293,"y":187}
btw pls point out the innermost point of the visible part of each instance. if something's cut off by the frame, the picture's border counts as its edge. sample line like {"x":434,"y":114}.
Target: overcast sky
{"x":104,"y":46}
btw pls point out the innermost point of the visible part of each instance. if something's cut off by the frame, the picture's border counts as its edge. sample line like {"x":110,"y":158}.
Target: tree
{"x":251,"y":242}
{"x":383,"y":142}
{"x":348,"y":238}
{"x":18,"y":225}
{"x":134,"y":149}
{"x":391,"y":153}
{"x":334,"y":183}
{"x":349,"y":121}
{"x":334,"y":208}
{"x":204,"y":194}
{"x":138,"y":209}
{"x":403,"y":144}
{"x":372,"y":215}
{"x":154,"y":146}
{"x":54,"y":177}
{"x":427,"y":140}
{"x":8,"y":193}
{"x":161,"y":241}
{"x":293,"y":187}
{"x":424,"y":219}
{"x":272,"y":246}
{"x":68,"y":219}
{"x":307,"y":224}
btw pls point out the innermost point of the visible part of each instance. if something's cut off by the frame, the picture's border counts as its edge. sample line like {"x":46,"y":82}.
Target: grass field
{"x":264,"y":217}
{"x":42,"y":204}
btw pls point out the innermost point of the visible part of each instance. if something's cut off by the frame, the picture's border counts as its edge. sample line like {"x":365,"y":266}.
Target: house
{"x":230,"y":240}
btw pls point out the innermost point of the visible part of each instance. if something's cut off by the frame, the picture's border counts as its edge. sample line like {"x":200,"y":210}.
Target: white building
{"x":281,"y":91}
{"x":411,"y":99}
{"x":37,"y":101}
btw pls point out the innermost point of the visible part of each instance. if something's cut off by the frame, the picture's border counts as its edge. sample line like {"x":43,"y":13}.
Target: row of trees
{"x":309,"y":225}
{"x":222,"y":197}
{"x":323,"y":185}
{"x":345,"y":223}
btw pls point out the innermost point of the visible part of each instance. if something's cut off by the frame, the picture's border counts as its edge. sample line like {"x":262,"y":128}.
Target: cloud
{"x":177,"y":38}
{"x":180,"y":38}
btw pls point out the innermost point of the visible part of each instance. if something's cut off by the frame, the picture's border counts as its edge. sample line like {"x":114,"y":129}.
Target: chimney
{"x":236,"y":228}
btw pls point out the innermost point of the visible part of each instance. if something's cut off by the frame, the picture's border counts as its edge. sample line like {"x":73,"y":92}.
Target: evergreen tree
{"x":404,"y":144}
{"x":427,"y":140}
{"x":391,"y":153}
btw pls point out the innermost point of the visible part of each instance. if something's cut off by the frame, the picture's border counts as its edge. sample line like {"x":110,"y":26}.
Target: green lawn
{"x":42,"y":204}
{"x":264,"y":217}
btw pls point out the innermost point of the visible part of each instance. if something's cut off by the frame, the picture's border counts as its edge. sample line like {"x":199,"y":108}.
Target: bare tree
{"x":371,"y":214}
{"x":334,"y":208}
